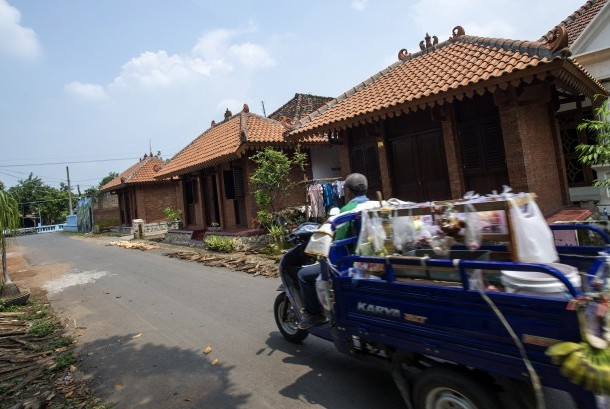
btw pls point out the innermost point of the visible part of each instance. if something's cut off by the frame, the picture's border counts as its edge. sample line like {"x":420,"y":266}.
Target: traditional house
{"x":469,"y":113}
{"x":324,"y":157}
{"x":140,"y":195}
{"x":214,"y":169}
{"x":589,"y":41}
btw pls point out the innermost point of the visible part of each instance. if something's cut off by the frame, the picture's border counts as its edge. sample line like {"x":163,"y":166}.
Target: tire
{"x":288,"y":325}
{"x":447,"y":388}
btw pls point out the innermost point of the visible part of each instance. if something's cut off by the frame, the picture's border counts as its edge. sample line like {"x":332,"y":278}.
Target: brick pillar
{"x":454,"y":167}
{"x":248,"y":166}
{"x":386,"y":181}
{"x":530,"y":144}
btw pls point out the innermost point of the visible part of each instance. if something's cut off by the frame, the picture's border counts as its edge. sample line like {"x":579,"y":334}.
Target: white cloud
{"x":252,"y":55}
{"x":16,"y":40}
{"x":215,"y":55}
{"x":160,"y":70}
{"x":87,"y":92}
{"x":213,"y":44}
{"x":359,"y":5}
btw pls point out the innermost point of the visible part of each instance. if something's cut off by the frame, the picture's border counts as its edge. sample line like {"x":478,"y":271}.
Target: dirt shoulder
{"x":38,"y":366}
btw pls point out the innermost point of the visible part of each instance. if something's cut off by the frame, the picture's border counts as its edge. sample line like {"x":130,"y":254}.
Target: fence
{"x":35,"y":230}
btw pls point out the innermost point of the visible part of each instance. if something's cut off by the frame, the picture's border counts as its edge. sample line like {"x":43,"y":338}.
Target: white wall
{"x":325,"y":162}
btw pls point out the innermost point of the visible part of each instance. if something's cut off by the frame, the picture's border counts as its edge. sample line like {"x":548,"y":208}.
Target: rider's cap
{"x":357,"y":183}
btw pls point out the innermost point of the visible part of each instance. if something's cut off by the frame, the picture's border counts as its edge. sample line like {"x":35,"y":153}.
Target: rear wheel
{"x":286,"y":319}
{"x":446,"y":388}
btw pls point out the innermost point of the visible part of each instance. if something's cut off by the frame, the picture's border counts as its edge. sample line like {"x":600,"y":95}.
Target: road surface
{"x":145,"y":320}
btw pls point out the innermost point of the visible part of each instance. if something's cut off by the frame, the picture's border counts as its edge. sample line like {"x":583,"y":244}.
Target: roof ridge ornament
{"x":457,"y":31}
{"x":428,"y":44}
{"x":558,"y":39}
{"x":287,"y":122}
{"x":246,"y":108}
{"x":404,"y":54}
{"x":228,"y":114}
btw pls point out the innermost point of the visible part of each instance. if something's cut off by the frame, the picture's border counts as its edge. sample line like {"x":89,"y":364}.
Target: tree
{"x":36,"y":198}
{"x":94,"y":191}
{"x":598,"y":154}
{"x":271,"y":180}
{"x":1,"y":185}
{"x":9,"y":222}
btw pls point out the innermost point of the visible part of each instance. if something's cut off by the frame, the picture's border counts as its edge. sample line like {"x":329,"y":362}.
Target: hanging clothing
{"x":315,"y":194}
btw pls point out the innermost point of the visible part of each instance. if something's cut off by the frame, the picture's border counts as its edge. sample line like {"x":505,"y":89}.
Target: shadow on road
{"x":135,"y":374}
{"x":334,"y":380}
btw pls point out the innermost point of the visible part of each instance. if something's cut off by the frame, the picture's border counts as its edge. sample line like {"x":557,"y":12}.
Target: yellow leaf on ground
{"x":207,"y":350}
{"x":137,"y":335}
{"x":216,"y":361}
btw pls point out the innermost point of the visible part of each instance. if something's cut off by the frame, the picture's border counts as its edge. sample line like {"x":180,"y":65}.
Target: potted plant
{"x":214,"y":226}
{"x":173,"y":215}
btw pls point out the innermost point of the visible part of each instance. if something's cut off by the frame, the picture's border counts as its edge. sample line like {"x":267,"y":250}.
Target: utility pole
{"x":69,"y":191}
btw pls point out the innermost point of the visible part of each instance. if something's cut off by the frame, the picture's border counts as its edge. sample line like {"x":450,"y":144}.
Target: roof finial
{"x":559,"y":38}
{"x":246,"y":108}
{"x":428,"y":44}
{"x":228,"y":114}
{"x":213,"y":124}
{"x":404,"y":54}
{"x":458,"y":31}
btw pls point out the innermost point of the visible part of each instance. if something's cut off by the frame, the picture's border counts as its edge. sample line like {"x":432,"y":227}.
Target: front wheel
{"x":446,"y":388}
{"x":286,"y":319}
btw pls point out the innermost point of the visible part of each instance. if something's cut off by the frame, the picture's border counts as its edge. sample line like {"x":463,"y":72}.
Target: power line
{"x":64,"y":163}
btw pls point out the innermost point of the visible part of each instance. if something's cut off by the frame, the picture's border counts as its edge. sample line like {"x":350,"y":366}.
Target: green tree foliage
{"x":598,"y":154}
{"x":271,"y":180}
{"x":94,"y":191}
{"x":1,"y":185}
{"x":9,"y":221}
{"x":38,"y":199}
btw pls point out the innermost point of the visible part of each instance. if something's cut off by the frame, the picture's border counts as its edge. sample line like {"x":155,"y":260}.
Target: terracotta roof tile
{"x":142,"y":172}
{"x":226,"y":141}
{"x":579,"y":20}
{"x":449,"y":66}
{"x":299,"y":106}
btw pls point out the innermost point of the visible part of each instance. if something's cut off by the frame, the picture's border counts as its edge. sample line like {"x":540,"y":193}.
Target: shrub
{"x":172,"y":214}
{"x":221,"y":244}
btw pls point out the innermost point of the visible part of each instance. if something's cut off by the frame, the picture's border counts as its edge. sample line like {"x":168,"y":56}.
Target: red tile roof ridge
{"x":533,"y":49}
{"x":573,"y":18}
{"x":132,"y":172}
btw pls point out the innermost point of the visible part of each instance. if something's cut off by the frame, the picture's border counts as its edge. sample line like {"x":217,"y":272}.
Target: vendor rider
{"x":357,"y":185}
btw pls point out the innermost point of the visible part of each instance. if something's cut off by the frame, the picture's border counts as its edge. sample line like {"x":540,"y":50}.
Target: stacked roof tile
{"x":226,"y":141}
{"x":299,"y":106}
{"x":435,"y":75}
{"x":142,"y":172}
{"x":579,"y":20}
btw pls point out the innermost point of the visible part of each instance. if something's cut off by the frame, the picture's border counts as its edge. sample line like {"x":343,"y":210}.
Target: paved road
{"x":179,"y":308}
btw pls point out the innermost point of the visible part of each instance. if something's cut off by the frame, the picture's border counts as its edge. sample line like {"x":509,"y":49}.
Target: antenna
{"x":263,"y":104}
{"x":150,"y":146}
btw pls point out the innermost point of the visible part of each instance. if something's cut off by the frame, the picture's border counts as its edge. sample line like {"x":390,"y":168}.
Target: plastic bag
{"x":323,"y":290}
{"x":533,"y":237}
{"x":404,"y":232}
{"x":473,"y":232}
{"x":372,"y":236}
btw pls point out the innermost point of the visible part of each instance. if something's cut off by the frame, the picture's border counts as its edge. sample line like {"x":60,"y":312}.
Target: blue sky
{"x":92,"y":84}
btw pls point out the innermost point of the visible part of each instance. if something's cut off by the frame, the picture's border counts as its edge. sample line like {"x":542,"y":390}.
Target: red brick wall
{"x":454,"y":168}
{"x":531,"y":153}
{"x":152,"y":199}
